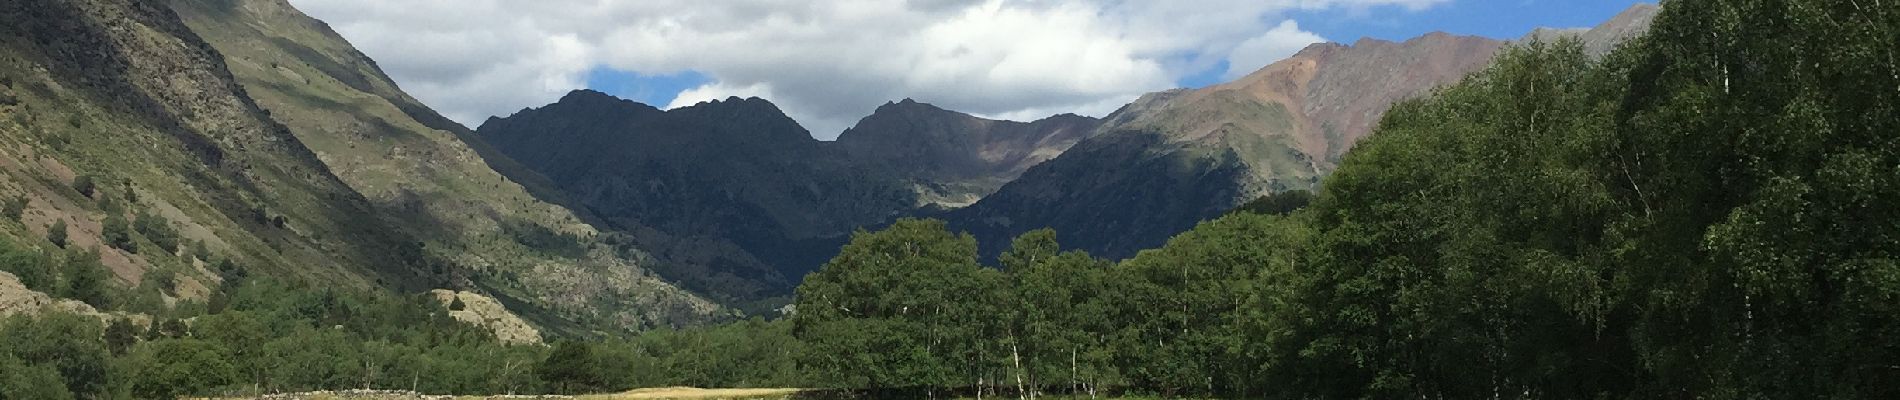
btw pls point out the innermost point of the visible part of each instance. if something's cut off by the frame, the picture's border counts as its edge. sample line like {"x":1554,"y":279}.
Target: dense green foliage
{"x":260,"y":336}
{"x":1705,"y":212}
{"x":158,"y":230}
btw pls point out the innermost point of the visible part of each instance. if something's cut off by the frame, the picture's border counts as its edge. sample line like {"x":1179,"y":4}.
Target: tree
{"x":175,"y":367}
{"x":69,"y":344}
{"x":84,"y":185}
{"x":571,"y":368}
{"x":19,"y":380}
{"x":1279,"y":203}
{"x":1061,"y":323}
{"x":57,"y":233}
{"x":901,"y":308}
{"x":120,"y":336}
{"x":116,"y":232}
{"x":87,"y":280}
{"x":34,"y":269}
{"x":158,"y":230}
{"x":457,"y":305}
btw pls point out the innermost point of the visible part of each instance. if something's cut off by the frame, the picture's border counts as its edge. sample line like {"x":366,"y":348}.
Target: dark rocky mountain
{"x":737,"y":177}
{"x":1174,"y":158}
{"x":738,"y":174}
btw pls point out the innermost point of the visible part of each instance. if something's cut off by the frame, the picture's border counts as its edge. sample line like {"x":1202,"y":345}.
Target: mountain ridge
{"x":1276,"y":129}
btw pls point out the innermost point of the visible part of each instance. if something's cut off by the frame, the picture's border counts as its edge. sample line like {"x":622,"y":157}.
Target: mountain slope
{"x":724,"y":184}
{"x":120,"y":94}
{"x":426,"y":177}
{"x":953,"y":158}
{"x":1174,"y":158}
{"x":747,"y":195}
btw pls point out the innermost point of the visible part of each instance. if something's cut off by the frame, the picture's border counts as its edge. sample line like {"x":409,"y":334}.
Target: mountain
{"x":113,"y":110}
{"x":1172,"y":159}
{"x":426,"y":176}
{"x":749,"y":195}
{"x":1601,"y":39}
{"x":703,"y":181}
{"x":952,"y":158}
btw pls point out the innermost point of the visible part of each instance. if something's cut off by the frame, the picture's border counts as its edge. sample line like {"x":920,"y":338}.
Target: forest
{"x":1705,"y":212}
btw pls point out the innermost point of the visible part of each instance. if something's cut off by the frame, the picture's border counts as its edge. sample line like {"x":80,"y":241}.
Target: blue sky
{"x":827,"y":63}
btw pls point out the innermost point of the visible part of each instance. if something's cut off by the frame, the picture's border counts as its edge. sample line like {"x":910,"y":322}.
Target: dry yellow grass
{"x":687,"y":393}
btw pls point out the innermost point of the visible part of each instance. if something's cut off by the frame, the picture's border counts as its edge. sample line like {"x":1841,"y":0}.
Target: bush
{"x":457,"y":305}
{"x":14,"y":208}
{"x":87,"y":280}
{"x":34,"y":269}
{"x":57,"y":233}
{"x":84,"y":185}
{"x":118,"y":234}
{"x":571,"y":368}
{"x":158,"y":230}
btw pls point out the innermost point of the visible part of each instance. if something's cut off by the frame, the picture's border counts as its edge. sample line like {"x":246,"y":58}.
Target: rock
{"x":487,"y":313}
{"x":15,"y":299}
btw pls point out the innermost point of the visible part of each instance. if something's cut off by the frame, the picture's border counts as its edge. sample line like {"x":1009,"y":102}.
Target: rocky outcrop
{"x":487,"y":313}
{"x":16,"y":299}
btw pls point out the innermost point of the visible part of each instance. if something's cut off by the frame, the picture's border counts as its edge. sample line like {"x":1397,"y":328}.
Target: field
{"x":668,"y":393}
{"x":683,"y":393}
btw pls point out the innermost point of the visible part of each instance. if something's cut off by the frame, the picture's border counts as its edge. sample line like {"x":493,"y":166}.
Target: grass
{"x":684,"y":393}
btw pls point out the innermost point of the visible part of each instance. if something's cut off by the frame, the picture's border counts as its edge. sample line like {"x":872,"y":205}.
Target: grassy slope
{"x":119,"y":91}
{"x":421,"y":173}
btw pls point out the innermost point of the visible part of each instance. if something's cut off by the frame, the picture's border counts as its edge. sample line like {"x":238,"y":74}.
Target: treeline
{"x":257,"y":337}
{"x":1707,"y":212}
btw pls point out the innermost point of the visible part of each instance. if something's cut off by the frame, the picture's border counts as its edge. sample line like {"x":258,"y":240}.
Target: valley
{"x":229,"y":198}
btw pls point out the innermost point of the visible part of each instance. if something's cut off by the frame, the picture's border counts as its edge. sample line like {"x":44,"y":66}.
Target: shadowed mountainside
{"x":426,"y":177}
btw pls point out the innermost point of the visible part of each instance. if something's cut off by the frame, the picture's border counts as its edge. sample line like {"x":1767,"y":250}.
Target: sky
{"x":828,"y":63}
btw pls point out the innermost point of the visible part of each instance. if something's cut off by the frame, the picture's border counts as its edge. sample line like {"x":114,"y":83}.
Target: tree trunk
{"x":1016,"y":360}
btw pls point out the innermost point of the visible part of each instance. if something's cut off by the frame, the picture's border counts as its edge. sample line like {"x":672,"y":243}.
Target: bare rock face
{"x":485,"y":312}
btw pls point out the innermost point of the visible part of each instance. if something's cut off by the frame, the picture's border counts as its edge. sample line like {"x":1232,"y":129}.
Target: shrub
{"x":57,"y":233}
{"x":158,"y":230}
{"x":118,"y":234}
{"x":85,"y":185}
{"x":14,"y":208}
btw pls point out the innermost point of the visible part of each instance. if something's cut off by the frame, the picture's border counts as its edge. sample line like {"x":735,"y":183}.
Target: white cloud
{"x":1274,"y":45}
{"x":825,"y":62}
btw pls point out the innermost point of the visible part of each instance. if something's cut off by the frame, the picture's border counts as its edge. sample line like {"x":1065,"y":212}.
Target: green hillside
{"x":136,"y":107}
{"x":426,"y":176}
